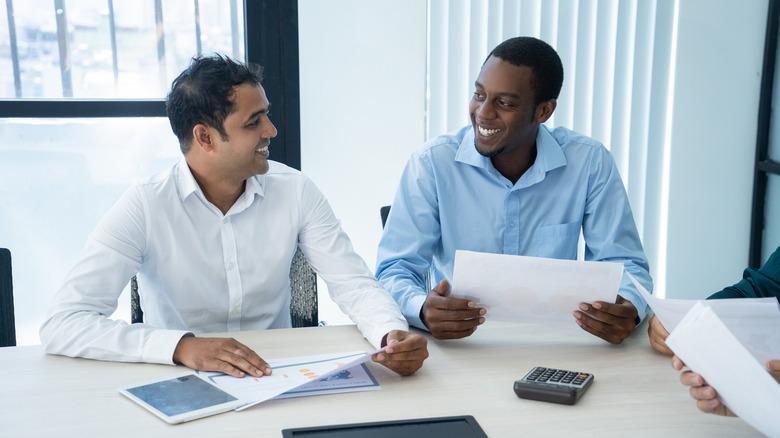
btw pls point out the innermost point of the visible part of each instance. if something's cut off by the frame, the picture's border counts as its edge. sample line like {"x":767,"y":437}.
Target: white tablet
{"x":182,"y":398}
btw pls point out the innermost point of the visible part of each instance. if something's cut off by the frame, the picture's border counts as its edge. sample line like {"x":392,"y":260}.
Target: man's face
{"x":502,"y":109}
{"x":249,"y":131}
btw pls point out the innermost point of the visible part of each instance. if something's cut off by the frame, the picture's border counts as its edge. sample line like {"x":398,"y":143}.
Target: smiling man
{"x":211,"y":240}
{"x":507,"y":184}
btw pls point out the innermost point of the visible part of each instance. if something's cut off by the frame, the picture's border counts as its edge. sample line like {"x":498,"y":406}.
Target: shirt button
{"x":224,"y":220}
{"x":231,"y":265}
{"x":511,"y":224}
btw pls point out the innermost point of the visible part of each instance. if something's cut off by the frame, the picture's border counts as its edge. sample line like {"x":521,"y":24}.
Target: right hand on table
{"x":224,"y":355}
{"x":450,"y":318}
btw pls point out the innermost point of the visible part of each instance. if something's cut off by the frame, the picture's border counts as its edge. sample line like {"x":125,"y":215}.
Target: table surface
{"x":635,"y":391}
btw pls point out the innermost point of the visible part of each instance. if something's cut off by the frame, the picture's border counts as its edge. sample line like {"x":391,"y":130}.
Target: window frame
{"x":764,"y":165}
{"x":271,"y":41}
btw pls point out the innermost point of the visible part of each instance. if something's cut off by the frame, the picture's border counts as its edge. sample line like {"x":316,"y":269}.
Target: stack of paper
{"x":755,"y":322}
{"x":728,"y":341}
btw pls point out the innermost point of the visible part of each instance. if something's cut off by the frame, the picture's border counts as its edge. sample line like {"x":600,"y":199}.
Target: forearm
{"x":368,"y":305}
{"x":94,"y":336}
{"x":407,"y":287}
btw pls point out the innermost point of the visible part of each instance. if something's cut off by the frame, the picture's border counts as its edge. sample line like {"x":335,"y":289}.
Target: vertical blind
{"x":618,"y":59}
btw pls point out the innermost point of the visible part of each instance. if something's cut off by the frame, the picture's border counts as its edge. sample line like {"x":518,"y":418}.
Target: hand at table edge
{"x":405,"y":352}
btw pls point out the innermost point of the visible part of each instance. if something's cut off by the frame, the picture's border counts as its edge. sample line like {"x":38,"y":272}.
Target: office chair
{"x":384,"y":211}
{"x":303,"y":291}
{"x":7,"y":320}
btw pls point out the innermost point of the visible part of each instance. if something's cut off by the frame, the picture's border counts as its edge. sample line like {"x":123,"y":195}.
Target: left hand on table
{"x":612,"y":322}
{"x":405,"y":352}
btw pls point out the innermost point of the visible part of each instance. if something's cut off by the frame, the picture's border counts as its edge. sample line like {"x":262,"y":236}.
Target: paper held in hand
{"x":533,"y":289}
{"x":755,"y":322}
{"x":707,"y":347}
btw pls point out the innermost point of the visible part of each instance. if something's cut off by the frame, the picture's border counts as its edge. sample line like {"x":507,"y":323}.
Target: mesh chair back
{"x":303,"y":290}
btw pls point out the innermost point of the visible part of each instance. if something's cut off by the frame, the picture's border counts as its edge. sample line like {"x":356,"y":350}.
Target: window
{"x":82,"y":116}
{"x":130,"y":50}
{"x":765,"y":229}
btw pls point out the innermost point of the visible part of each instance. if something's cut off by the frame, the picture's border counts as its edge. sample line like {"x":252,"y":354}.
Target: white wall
{"x":362,"y":67}
{"x":713,"y":138}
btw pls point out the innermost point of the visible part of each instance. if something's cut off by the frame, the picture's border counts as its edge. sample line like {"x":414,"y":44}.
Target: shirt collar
{"x":549,"y":156}
{"x":188,"y":186}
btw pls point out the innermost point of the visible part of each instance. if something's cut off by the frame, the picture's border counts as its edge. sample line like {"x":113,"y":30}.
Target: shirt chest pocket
{"x":557,"y":241}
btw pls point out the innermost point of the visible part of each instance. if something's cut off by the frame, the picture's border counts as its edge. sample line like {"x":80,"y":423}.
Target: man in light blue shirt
{"x":509,"y":185}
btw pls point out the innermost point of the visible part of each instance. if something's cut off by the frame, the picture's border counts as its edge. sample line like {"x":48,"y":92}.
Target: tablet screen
{"x":182,"y":398}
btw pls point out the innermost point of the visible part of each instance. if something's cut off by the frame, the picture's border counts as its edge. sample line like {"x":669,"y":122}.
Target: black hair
{"x":204,"y":92}
{"x":543,"y":60}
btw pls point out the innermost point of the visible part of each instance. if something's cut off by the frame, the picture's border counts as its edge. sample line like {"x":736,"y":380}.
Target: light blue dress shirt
{"x":451,"y":197}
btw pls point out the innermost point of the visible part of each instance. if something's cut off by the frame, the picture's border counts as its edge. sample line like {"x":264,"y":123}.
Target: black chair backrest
{"x":7,"y":320}
{"x":384,"y":212}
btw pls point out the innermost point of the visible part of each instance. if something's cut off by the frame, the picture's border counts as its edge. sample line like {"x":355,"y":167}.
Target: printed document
{"x":299,"y":376}
{"x":533,"y":289}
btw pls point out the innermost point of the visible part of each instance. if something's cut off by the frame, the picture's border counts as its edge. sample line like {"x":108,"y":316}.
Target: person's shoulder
{"x":275,"y":168}
{"x":568,"y":138}
{"x":158,"y":179}
{"x":282,"y":173}
{"x":443,"y":146}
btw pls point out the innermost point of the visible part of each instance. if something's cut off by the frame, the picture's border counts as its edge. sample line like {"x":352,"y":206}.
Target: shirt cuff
{"x":412,"y":311}
{"x":161,"y":344}
{"x":639,"y":305}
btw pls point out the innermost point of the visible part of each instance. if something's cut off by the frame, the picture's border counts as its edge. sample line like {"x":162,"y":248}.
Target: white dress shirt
{"x":200,"y":271}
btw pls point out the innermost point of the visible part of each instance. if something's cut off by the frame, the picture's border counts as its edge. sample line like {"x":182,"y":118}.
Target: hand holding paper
{"x":612,"y":322}
{"x":403,"y":353}
{"x":448,"y":317}
{"x":533,"y":289}
{"x":755,"y":322}
{"x":707,"y":346}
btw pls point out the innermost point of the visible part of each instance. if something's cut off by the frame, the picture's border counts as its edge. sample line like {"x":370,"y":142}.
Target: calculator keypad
{"x":574,"y":379}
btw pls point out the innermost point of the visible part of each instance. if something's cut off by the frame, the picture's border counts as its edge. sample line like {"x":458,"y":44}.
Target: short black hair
{"x":204,"y":92}
{"x":540,"y":57}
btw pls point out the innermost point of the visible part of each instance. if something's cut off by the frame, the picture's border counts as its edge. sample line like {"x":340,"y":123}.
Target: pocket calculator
{"x":553,"y":385}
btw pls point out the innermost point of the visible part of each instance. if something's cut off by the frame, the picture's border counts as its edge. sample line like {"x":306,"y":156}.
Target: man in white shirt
{"x":211,"y":241}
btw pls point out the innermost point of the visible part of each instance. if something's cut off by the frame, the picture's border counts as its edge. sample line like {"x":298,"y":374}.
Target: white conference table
{"x":635,"y":393}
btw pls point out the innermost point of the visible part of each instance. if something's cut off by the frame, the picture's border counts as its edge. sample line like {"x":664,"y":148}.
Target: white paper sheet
{"x":288,"y":374}
{"x":755,"y":322}
{"x":532,"y":289}
{"x":707,"y":347}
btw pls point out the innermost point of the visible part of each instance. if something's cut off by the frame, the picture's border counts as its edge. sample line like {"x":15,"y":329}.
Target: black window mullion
{"x":272,"y":41}
{"x":9,"y":7}
{"x":763,"y":164}
{"x":17,"y":108}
